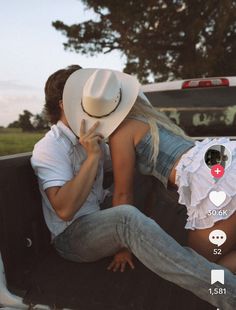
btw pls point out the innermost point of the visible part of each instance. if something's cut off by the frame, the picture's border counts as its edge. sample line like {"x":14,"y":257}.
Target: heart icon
{"x":217,"y":198}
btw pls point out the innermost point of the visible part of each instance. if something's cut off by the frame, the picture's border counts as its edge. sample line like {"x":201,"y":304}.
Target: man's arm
{"x":69,"y":198}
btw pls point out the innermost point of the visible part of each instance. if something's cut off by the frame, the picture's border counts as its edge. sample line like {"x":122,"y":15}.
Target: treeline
{"x":31,"y":122}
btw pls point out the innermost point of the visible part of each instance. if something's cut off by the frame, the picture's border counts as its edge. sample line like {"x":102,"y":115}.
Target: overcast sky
{"x":31,"y":49}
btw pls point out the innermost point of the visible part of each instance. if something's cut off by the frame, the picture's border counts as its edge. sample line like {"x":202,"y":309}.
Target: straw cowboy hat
{"x":99,"y":94}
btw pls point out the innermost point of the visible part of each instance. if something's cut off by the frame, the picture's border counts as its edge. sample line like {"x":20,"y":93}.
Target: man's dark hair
{"x":54,"y":90}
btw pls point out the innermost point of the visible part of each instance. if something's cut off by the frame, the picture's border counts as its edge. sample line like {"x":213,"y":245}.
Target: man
{"x":70,"y":174}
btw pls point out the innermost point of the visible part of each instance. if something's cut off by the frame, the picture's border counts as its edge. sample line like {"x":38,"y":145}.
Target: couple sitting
{"x":87,"y":106}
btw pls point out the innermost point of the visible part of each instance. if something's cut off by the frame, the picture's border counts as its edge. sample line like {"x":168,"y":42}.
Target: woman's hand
{"x":120,"y":260}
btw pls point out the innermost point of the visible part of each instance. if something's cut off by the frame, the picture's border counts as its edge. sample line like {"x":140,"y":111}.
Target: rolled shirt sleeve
{"x":52,"y":164}
{"x":56,"y":159}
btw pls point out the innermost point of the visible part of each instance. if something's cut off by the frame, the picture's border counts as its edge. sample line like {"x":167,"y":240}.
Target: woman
{"x":139,"y":135}
{"x":143,"y":134}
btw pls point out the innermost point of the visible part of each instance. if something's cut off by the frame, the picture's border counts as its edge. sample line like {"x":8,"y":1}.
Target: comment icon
{"x":217,"y":237}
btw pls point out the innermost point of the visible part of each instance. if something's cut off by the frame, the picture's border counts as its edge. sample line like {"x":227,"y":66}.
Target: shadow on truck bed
{"x":35,"y":272}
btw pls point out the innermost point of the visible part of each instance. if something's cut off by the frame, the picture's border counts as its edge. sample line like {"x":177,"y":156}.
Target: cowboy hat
{"x":99,"y":94}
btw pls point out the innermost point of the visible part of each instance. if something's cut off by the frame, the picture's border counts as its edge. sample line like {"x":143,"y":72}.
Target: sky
{"x":31,"y":49}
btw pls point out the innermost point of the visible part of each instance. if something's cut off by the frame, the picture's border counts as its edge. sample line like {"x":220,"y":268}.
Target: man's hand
{"x":69,"y":198}
{"x":120,"y":260}
{"x":91,"y":139}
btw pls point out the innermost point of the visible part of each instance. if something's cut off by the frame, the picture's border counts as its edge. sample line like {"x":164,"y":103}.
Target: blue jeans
{"x":103,"y":233}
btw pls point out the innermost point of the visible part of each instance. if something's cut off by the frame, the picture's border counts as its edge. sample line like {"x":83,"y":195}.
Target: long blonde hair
{"x":143,"y":107}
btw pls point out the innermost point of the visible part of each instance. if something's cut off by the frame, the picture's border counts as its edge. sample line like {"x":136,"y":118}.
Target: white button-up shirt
{"x":56,"y":159}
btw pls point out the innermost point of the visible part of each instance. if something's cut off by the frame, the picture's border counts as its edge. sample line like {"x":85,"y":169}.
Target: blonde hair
{"x":142,"y":107}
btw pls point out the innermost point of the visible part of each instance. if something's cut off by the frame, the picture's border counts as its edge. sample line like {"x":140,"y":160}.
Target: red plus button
{"x":217,"y":171}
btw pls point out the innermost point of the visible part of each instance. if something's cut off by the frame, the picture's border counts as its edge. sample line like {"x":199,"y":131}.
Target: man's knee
{"x":129,"y":211}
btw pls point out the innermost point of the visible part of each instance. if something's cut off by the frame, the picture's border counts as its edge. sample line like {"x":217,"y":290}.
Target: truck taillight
{"x":205,"y":83}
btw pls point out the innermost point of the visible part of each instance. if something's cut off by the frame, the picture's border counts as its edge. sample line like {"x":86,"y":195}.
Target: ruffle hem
{"x":195,"y":182}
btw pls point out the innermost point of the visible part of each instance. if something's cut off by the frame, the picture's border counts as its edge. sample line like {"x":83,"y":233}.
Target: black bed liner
{"x":35,"y":272}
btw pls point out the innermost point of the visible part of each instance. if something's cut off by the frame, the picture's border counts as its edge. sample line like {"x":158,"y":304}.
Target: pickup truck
{"x":33,"y":276}
{"x":202,"y":107}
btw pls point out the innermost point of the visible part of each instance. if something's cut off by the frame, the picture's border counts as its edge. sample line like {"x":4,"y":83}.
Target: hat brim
{"x":72,"y":97}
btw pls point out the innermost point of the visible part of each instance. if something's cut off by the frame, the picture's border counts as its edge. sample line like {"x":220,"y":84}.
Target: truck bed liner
{"x":35,"y":271}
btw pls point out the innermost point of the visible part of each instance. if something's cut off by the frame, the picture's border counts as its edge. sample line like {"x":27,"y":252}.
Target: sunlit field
{"x":13,"y":141}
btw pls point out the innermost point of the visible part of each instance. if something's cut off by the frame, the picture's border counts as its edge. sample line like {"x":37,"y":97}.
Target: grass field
{"x":13,"y":141}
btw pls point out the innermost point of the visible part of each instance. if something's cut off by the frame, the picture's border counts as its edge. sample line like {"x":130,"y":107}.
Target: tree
{"x":25,"y":121}
{"x":40,"y":121}
{"x":29,"y":122}
{"x":162,"y":39}
{"x":14,"y":124}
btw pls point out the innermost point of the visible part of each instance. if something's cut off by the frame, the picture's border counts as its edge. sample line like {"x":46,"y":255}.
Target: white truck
{"x":202,"y":107}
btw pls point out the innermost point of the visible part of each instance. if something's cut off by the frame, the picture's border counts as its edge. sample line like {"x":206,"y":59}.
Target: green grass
{"x":14,"y":141}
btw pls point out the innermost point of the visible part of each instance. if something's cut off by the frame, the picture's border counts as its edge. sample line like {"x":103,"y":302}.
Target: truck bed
{"x":35,"y":272}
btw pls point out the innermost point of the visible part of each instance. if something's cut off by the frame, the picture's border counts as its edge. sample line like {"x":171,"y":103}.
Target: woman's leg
{"x":103,"y":233}
{"x":199,"y":240}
